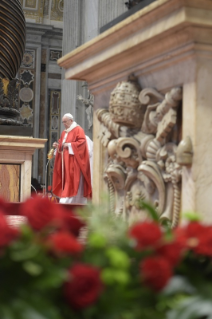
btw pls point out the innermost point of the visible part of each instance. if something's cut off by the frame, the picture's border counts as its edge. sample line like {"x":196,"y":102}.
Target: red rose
{"x":204,"y":246}
{"x":180,"y":236}
{"x":146,"y":234}
{"x":156,"y":272}
{"x":197,"y":237}
{"x":7,"y":233}
{"x":172,"y":252}
{"x":40,"y":212}
{"x":63,"y":242}
{"x":195,"y":229}
{"x":84,"y":286}
{"x":71,"y":222}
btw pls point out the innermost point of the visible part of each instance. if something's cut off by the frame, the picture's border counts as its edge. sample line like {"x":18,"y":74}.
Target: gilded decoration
{"x":57,"y":10}
{"x":30,"y":4}
{"x":27,"y":88}
{"x":26,"y":112}
{"x":46,"y":8}
{"x":142,"y":134}
{"x":28,"y":59}
{"x":34,"y":9}
{"x":38,"y":10}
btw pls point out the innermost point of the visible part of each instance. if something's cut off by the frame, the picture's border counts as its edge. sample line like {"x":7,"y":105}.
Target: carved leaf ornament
{"x":145,"y":162}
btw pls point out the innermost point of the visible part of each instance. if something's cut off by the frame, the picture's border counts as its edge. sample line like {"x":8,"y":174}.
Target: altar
{"x":151,"y":79}
{"x":16,"y":165}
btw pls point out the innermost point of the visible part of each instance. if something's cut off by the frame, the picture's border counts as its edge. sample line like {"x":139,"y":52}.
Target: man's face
{"x":67,"y":122}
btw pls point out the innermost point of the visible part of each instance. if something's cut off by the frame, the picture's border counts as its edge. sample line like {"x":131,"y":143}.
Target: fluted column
{"x":109,"y":10}
{"x":71,"y":40}
{"x":90,"y":29}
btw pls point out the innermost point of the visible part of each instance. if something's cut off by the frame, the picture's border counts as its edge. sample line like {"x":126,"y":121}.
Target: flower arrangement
{"x":62,"y":265}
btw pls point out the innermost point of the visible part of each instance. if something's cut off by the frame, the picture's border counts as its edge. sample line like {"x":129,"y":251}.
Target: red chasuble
{"x":73,"y":165}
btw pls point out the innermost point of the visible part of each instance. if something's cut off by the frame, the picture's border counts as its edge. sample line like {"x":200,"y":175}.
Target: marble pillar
{"x":71,"y":40}
{"x":109,"y":10}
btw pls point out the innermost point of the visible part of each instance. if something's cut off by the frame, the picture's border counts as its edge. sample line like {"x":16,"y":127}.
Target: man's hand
{"x":55,"y":144}
{"x":65,"y":145}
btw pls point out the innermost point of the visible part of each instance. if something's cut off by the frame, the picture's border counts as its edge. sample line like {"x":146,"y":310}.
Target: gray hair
{"x":69,"y":116}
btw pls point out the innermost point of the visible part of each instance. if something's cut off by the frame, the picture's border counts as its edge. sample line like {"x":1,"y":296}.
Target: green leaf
{"x":97,"y":240}
{"x":32,"y":268}
{"x":118,"y":258}
{"x":111,"y":276}
{"x":191,"y":216}
{"x":24,"y":252}
{"x":6,"y":313}
{"x":32,"y":314}
{"x":51,"y":279}
{"x":150,"y":209}
{"x":107,"y":276}
{"x":122,"y":277}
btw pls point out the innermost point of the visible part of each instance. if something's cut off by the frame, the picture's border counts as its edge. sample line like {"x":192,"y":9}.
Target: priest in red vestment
{"x":71,"y":175}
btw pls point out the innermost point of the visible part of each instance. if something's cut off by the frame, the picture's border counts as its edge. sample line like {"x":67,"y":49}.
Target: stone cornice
{"x":43,"y":29}
{"x":165,"y":31}
{"x":21,"y":143}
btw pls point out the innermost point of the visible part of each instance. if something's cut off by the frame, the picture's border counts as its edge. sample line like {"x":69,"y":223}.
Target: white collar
{"x":71,"y":127}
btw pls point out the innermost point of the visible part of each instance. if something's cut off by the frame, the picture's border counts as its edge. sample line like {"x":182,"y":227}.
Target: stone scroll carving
{"x":141,"y":131}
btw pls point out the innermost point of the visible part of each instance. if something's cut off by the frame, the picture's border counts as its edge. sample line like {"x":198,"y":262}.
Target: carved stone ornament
{"x":141,"y":131}
{"x":125,"y":107}
{"x":185,"y":152}
{"x":88,"y":103}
